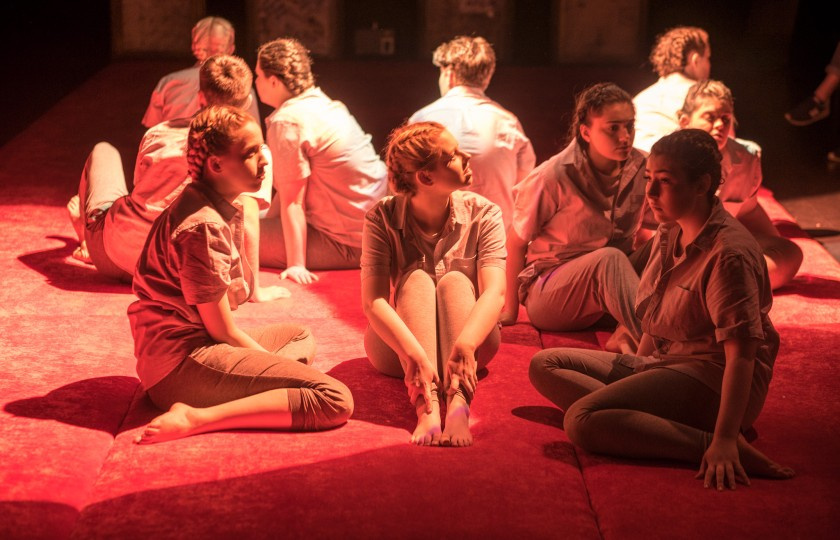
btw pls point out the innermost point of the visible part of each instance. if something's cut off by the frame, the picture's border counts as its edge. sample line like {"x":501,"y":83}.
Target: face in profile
{"x":670,"y":194}
{"x":611,"y":131}
{"x":452,"y":171}
{"x":712,"y":116}
{"x":243,"y":167}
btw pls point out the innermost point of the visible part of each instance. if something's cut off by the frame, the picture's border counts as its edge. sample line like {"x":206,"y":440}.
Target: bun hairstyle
{"x":212,"y":132}
{"x":411,"y":148}
{"x":288,"y":60}
{"x":695,"y":152}
{"x":591,"y":101}
{"x":225,"y":80}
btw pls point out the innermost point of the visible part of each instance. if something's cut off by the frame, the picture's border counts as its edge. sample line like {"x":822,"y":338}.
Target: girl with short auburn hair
{"x":439,"y":253}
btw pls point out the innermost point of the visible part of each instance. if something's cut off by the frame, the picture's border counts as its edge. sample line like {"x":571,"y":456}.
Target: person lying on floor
{"x":442,"y":251}
{"x":702,"y":370}
{"x":112,"y":224}
{"x":176,"y":94}
{"x":192,"y":358}
{"x":574,"y":222}
{"x":326,"y":172}
{"x":709,"y":106}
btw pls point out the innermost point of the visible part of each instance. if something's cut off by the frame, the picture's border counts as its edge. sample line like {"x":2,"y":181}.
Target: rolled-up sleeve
{"x":491,"y":239}
{"x":733,"y":299}
{"x":286,"y":144}
{"x":203,"y":256}
{"x":376,"y":250}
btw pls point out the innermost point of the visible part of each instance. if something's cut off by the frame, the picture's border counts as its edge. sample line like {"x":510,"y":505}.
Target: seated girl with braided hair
{"x":192,"y":358}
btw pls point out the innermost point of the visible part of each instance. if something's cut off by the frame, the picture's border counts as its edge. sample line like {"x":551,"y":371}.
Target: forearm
{"x":388,"y":325}
{"x":734,"y":395}
{"x":481,"y":319}
{"x":294,"y":233}
{"x":646,"y":347}
{"x":515,"y":262}
{"x":237,"y":338}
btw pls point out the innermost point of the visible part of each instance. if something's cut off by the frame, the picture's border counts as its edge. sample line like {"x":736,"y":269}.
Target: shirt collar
{"x":458,"y":212}
{"x":463,"y":90}
{"x":575,"y":155}
{"x":225,"y":209}
{"x":704,"y":240}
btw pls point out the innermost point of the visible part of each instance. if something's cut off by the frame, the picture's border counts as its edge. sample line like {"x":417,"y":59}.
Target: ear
{"x":683,"y":119}
{"x":214,"y":164}
{"x":423,"y":177}
{"x":584,"y":132}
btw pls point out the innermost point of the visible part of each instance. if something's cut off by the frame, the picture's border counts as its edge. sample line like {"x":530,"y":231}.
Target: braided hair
{"x":591,"y":101}
{"x":695,"y":152}
{"x":411,"y":148}
{"x":672,"y":49}
{"x":288,"y":60}
{"x":212,"y":133}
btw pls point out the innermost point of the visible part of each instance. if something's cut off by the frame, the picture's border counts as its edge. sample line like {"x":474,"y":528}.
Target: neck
{"x":691,"y":224}
{"x":605,"y":166}
{"x":430,"y":211}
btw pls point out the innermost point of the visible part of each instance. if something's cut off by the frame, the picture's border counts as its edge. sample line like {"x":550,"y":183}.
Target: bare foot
{"x":457,"y":430}
{"x":270,"y":293}
{"x":427,"y":432}
{"x":81,"y":253}
{"x":178,"y":422}
{"x":757,"y":464}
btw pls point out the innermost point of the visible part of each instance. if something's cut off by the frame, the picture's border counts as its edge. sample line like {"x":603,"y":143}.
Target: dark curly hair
{"x":288,"y":60}
{"x":695,"y":152}
{"x":672,"y":49}
{"x":411,"y":148}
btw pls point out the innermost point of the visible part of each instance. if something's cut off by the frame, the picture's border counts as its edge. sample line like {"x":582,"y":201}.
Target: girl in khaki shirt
{"x":192,"y":357}
{"x":702,"y":370}
{"x":443,"y":252}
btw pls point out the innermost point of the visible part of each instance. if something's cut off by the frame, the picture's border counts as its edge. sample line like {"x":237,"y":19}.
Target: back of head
{"x":591,"y":101}
{"x":212,"y":132}
{"x":672,"y":49}
{"x":703,"y":90}
{"x":217,"y":30}
{"x":225,"y":80}
{"x":471,"y":59}
{"x":695,"y":152}
{"x":411,"y":148}
{"x":288,"y":60}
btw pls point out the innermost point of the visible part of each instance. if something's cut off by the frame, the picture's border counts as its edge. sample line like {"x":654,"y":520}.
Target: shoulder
{"x":183,"y":76}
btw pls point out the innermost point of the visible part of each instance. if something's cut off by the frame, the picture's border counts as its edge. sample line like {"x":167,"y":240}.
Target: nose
{"x":652,"y":189}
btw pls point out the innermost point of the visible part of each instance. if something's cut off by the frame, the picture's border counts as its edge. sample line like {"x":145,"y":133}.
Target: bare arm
{"x":251,"y":252}
{"x":218,"y":320}
{"x":293,"y":217}
{"x":721,"y":465}
{"x":645,"y":346}
{"x":516,"y":248}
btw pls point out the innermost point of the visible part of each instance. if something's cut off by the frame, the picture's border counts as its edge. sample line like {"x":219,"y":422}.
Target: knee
{"x":542,"y":364}
{"x":103,"y":148}
{"x":454,"y":282}
{"x":337,"y":404}
{"x":576,"y":425}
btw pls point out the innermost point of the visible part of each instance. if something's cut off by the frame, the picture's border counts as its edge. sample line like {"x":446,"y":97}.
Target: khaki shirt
{"x":314,"y":138}
{"x":719,"y":290}
{"x":656,"y":109}
{"x":563,"y":209}
{"x":192,"y":257}
{"x":471,"y":239}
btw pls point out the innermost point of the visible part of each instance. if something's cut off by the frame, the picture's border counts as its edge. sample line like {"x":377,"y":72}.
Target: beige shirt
{"x":160,"y":175}
{"x":472,"y":238}
{"x":501,"y":153}
{"x":718,"y":290}
{"x":741,"y":172}
{"x":192,"y":257}
{"x":565,"y":210}
{"x":656,"y":109}
{"x":314,"y":138}
{"x":176,"y":96}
